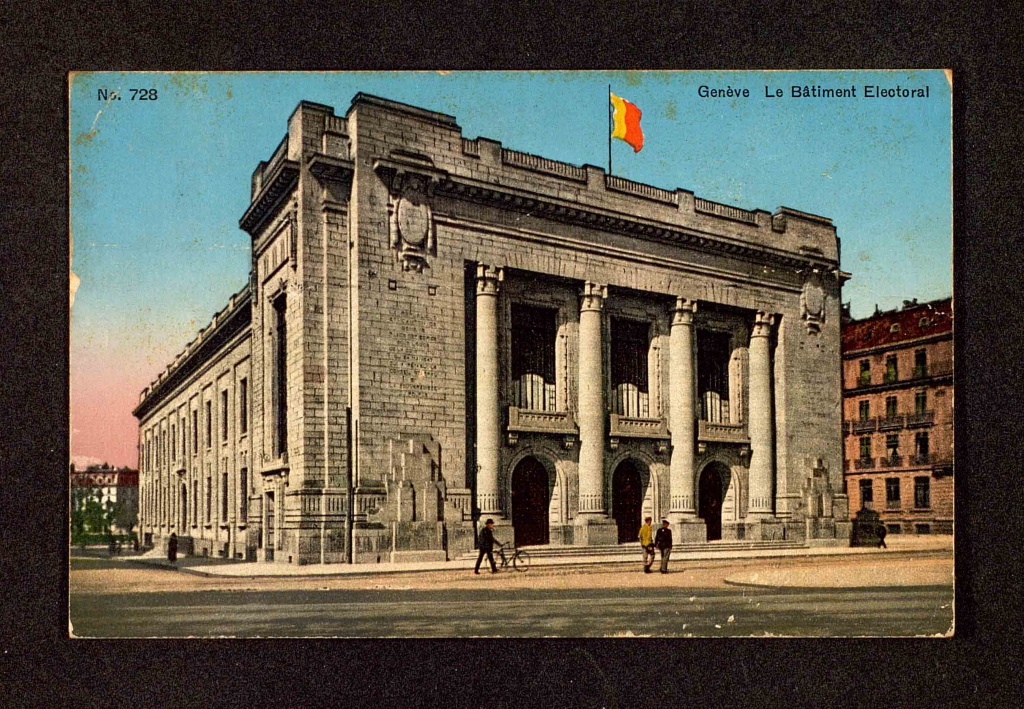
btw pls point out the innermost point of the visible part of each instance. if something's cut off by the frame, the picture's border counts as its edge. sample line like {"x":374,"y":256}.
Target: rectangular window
{"x":890,"y":407}
{"x":892,"y":493}
{"x":865,"y":447}
{"x":195,"y":502}
{"x":867,"y":495}
{"x":534,"y":333}
{"x":894,"y":529}
{"x":920,"y":363}
{"x":195,"y":432}
{"x":892,"y":444}
{"x":280,"y":388}
{"x":865,"y":410}
{"x":865,"y":372}
{"x":921,"y":448}
{"x":922,"y":529}
{"x":209,"y":496}
{"x":920,"y":402}
{"x":209,"y":424}
{"x":224,"y":415}
{"x":630,"y":346}
{"x":243,"y":495}
{"x":174,"y":442}
{"x":713,"y":353}
{"x":891,"y":372}
{"x":922,"y":493}
{"x":243,"y":407}
{"x":224,"y":497}
{"x":184,"y":439}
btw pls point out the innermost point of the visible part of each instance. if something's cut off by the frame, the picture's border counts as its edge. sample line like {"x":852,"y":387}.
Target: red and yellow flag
{"x":626,"y":123}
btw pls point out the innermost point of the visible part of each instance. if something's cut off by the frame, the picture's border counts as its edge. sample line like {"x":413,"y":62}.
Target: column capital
{"x":763,"y":323}
{"x":593,"y":296}
{"x":683,"y":310}
{"x":488,"y":279}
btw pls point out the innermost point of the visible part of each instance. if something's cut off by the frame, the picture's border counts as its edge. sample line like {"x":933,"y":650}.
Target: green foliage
{"x":92,"y":518}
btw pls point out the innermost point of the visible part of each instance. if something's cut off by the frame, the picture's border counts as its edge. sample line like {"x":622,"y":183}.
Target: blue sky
{"x":157,"y":187}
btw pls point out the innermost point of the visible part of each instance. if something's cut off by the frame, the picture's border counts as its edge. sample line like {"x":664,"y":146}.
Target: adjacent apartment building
{"x":439,"y":330}
{"x":898,"y":416}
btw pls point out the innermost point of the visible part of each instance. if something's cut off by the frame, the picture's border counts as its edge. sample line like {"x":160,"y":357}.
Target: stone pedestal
{"x":595,"y":532}
{"x":687,"y":531}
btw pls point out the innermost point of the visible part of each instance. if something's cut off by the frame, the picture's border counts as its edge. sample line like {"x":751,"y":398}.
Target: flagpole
{"x":610,"y":126}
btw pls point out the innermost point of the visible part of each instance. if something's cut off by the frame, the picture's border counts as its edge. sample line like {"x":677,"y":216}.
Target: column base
{"x":687,"y":530}
{"x":594,"y":529}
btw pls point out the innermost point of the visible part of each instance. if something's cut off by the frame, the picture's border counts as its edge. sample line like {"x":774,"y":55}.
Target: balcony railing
{"x":553,"y":422}
{"x":865,"y":425}
{"x":891,"y":423}
{"x":892,"y":461}
{"x":637,"y":427}
{"x":864,"y":463}
{"x":925,"y":418}
{"x":932,"y":369}
{"x":923,"y":458}
{"x":722,"y":432}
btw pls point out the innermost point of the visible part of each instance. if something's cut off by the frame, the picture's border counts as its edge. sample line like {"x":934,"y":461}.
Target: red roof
{"x":911,"y":322}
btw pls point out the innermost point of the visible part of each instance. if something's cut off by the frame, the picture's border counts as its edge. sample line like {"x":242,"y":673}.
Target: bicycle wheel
{"x":521,"y":561}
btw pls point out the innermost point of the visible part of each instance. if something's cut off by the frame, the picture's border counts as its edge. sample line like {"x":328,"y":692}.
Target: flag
{"x":626,"y":123}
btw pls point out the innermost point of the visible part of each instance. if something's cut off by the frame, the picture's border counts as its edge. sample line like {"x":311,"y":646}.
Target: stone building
{"x":438,"y":330}
{"x":898,"y":416}
{"x":113,"y":488}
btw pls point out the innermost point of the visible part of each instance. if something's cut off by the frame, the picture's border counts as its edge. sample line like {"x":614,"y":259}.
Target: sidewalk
{"x":205,"y":566}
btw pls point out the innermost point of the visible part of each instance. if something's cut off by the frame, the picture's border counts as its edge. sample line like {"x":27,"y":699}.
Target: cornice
{"x":276,"y":187}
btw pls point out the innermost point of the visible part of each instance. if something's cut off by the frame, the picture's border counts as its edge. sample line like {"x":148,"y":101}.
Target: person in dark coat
{"x":663,"y":541}
{"x":881,"y":536}
{"x":172,"y":548}
{"x":486,"y":547}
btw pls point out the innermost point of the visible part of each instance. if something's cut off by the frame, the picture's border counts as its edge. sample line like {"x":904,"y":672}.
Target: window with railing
{"x":892,"y":452}
{"x":865,"y":410}
{"x":892,"y":493}
{"x":920,"y":402}
{"x":922,"y":493}
{"x":891,"y":371}
{"x":630,"y":346}
{"x":533,"y":357}
{"x":921,"y":448}
{"x":713,"y":351}
{"x":865,"y":373}
{"x":865,"y":447}
{"x":890,"y":407}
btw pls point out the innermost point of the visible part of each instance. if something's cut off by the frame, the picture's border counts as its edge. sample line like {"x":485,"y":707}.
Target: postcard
{"x":511,"y":354}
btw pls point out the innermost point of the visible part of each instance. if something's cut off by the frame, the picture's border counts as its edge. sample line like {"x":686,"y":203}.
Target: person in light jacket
{"x":663,"y":540}
{"x":647,"y":543}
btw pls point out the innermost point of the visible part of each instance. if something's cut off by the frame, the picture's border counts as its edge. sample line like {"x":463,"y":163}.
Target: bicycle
{"x":520,"y":560}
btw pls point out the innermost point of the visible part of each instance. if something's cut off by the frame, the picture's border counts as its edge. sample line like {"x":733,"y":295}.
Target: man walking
{"x":486,"y":547}
{"x":663,"y":540}
{"x":647,"y":542}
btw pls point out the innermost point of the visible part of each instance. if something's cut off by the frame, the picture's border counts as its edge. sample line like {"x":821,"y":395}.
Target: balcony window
{"x":533,"y":358}
{"x":630,"y":347}
{"x":865,"y":447}
{"x":865,"y":373}
{"x":865,"y":410}
{"x":921,"y":448}
{"x":922,"y":493}
{"x":920,"y":402}
{"x":891,"y":373}
{"x":892,"y":452}
{"x":713,"y":352}
{"x":892,"y":493}
{"x":890,"y":407}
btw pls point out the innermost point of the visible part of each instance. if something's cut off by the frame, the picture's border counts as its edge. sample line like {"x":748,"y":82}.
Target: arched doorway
{"x":530,"y":501}
{"x":709,"y":496}
{"x":627,"y":500}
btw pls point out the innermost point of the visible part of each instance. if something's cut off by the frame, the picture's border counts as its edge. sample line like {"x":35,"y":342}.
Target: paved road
{"x":591,"y":612}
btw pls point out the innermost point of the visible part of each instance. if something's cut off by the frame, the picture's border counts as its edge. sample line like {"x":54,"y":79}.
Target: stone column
{"x":762,"y":448}
{"x":682,"y":385}
{"x":488,"y":416}
{"x":591,"y":413}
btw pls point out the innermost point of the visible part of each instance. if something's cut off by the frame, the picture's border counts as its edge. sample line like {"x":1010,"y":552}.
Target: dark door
{"x":271,"y":542}
{"x":183,"y":512}
{"x":710,"y":501}
{"x":627,"y":501}
{"x":530,"y":502}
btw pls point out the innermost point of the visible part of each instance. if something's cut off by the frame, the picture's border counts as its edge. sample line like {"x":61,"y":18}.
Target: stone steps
{"x":546,"y":552}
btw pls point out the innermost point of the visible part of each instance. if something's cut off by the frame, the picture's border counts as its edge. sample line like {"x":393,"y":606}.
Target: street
{"x":110,"y":600}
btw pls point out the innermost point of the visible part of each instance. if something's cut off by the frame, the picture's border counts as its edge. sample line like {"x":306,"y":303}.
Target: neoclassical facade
{"x":439,"y":330}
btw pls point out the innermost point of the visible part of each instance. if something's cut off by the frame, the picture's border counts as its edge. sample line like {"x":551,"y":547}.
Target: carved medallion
{"x":812,"y":302}
{"x":412,"y":222}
